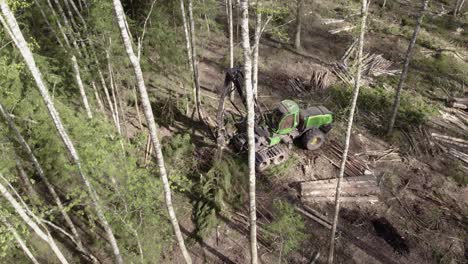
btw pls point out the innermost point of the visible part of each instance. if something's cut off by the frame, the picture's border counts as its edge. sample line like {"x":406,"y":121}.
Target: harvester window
{"x":287,"y":122}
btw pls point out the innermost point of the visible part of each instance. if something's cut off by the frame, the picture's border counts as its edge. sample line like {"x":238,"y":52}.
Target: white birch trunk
{"x":106,"y":92}
{"x":194,"y":60}
{"x":98,"y":98}
{"x":79,"y":82}
{"x":188,"y":45}
{"x":231,"y":41}
{"x":404,"y":72}
{"x":300,"y":6}
{"x":30,"y":191}
{"x":258,"y":28}
{"x":44,"y":235}
{"x":113,"y":101}
{"x":148,"y":111}
{"x":67,"y":26}
{"x":20,"y":242}
{"x":357,"y":84}
{"x":244,"y":5}
{"x":29,"y":59}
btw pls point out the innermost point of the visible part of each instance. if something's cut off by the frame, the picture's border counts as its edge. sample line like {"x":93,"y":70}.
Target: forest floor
{"x":421,"y":215}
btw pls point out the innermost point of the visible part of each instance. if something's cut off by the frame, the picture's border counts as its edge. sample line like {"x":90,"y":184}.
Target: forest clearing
{"x":233,"y":131}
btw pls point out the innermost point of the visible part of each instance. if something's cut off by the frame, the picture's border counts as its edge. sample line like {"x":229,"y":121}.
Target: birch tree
{"x":357,"y":84}
{"x":33,"y":223}
{"x":194,"y":60}
{"x":297,"y":40}
{"x":148,"y":111}
{"x":188,"y":44}
{"x":404,"y":72}
{"x":84,"y":97}
{"x":255,"y":51}
{"x":231,"y":41}
{"x":11,"y":23}
{"x":244,"y":5}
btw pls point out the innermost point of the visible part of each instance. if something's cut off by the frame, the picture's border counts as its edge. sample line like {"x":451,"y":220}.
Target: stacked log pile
{"x":353,"y":189}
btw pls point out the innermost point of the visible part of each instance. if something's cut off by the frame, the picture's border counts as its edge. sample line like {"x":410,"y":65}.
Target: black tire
{"x":262,"y":165}
{"x":313,"y":139}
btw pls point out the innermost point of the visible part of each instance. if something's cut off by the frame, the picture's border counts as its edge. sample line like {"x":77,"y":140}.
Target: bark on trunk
{"x":44,"y":235}
{"x":29,"y":59}
{"x":98,"y":98}
{"x":151,"y":126}
{"x":231,"y":42}
{"x":79,"y":82}
{"x":404,"y":72}
{"x":194,"y":60}
{"x":250,"y":127}
{"x":357,"y":83}
{"x":188,"y":45}
{"x":258,"y":28}
{"x":108,"y":99}
{"x":29,"y":189}
{"x":299,"y":7}
{"x":20,"y":242}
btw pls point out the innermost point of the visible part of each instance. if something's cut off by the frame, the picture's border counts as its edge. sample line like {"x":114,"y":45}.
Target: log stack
{"x":353,"y":189}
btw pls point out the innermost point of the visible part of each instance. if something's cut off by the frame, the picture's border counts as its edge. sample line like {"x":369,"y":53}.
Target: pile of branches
{"x":354,"y":167}
{"x":372,"y":65}
{"x":452,"y":133}
{"x":319,"y":81}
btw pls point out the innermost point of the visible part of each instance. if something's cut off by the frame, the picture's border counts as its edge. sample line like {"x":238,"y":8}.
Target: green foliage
{"x":221,"y":185}
{"x":443,"y":67}
{"x":288,"y":228}
{"x":180,"y":150}
{"x":379,"y":101}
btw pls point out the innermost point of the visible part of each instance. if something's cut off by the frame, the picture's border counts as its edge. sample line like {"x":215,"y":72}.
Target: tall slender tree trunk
{"x":106,"y":93}
{"x":188,"y":45}
{"x":299,"y":7}
{"x":98,"y":98}
{"x":20,"y":242}
{"x":231,"y":41}
{"x":404,"y":72}
{"x":29,"y":189}
{"x":29,"y":59}
{"x":148,"y":111}
{"x":114,"y":100}
{"x":84,"y":97}
{"x":194,"y":60}
{"x":250,"y":127}
{"x":42,"y":234}
{"x":357,"y":84}
{"x":258,"y":28}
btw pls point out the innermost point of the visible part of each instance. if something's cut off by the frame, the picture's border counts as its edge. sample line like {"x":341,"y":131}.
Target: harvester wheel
{"x":262,"y":165}
{"x":313,"y":139}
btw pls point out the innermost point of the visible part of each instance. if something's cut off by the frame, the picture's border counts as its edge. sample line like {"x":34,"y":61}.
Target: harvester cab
{"x":284,"y":124}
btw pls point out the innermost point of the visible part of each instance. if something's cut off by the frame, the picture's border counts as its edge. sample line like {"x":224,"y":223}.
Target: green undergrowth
{"x":375,"y":103}
{"x":287,"y":230}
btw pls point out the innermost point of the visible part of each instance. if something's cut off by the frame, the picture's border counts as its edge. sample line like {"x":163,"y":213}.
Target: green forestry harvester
{"x":275,"y":130}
